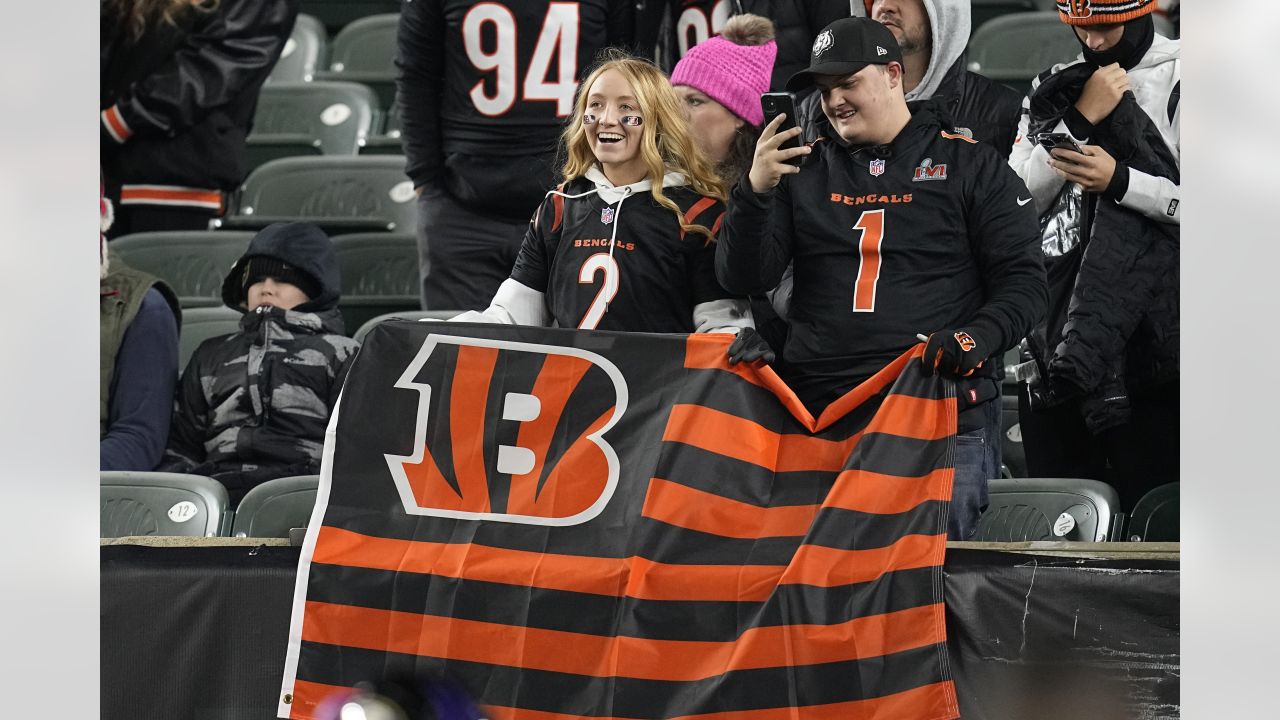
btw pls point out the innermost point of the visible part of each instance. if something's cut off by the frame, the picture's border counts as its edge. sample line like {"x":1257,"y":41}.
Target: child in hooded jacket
{"x":253,"y":405}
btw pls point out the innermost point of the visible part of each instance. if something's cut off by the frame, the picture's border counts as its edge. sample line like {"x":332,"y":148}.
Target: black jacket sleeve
{"x":754,"y":246}
{"x":420,"y":61}
{"x":1005,"y":237}
{"x":232,"y":50}
{"x":190,"y":425}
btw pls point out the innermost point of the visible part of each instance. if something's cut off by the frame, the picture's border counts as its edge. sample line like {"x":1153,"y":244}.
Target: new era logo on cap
{"x":881,"y":51}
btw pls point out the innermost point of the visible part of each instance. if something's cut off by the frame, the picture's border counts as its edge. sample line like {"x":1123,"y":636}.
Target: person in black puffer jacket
{"x":254,"y":405}
{"x":178,"y":84}
{"x":1102,"y":395}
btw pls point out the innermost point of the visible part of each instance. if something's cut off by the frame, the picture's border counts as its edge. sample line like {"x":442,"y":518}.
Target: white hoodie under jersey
{"x":518,"y":304}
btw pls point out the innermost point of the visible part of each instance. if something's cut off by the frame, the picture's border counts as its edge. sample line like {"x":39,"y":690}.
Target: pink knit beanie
{"x":734,"y":75}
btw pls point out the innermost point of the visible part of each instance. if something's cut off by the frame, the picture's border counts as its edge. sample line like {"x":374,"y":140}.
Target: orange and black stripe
{"x":762,"y":559}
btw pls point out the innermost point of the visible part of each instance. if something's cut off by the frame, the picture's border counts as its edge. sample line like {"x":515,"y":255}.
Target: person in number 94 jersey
{"x":483,"y":90}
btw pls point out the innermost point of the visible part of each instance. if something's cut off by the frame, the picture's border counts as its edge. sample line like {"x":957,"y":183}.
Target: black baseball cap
{"x":846,"y":46}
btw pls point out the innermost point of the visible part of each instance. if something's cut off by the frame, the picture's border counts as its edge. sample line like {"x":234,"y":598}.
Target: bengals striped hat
{"x":1103,"y":12}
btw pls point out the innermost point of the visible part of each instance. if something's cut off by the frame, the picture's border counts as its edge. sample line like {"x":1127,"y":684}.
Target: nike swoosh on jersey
{"x":1022,"y":202}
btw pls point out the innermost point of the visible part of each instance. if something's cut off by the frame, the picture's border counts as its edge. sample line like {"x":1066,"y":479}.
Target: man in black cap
{"x":902,"y":229}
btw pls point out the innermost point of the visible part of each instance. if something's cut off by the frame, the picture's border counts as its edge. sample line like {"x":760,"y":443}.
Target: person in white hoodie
{"x":626,"y":241}
{"x":1119,"y":103}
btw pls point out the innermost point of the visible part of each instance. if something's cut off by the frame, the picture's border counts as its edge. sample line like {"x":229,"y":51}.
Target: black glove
{"x":749,"y":346}
{"x":954,"y":353}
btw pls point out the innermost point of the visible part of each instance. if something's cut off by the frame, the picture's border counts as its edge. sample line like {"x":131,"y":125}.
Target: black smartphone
{"x":775,"y":104}
{"x":1059,"y":141}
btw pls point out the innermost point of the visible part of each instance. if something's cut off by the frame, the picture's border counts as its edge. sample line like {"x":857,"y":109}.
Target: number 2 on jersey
{"x":558,"y":37}
{"x":600,"y":262}
{"x":871,"y":223}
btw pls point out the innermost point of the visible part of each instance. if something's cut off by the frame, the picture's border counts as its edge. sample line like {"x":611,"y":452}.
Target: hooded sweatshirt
{"x":600,"y":256}
{"x":254,"y":405}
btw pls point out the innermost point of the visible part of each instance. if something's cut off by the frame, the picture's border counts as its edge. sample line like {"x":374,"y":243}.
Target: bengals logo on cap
{"x":487,"y":447}
{"x":823,"y":42}
{"x":966,"y":341}
{"x":1079,"y":9}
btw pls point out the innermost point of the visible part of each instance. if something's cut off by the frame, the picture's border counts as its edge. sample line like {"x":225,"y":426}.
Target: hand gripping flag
{"x":614,"y":525}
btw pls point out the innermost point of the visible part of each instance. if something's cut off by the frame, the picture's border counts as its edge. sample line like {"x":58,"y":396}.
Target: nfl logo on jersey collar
{"x":876,"y":167}
{"x":606,"y":215}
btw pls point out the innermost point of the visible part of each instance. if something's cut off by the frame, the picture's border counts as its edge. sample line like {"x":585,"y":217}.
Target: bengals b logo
{"x":510,"y":432}
{"x":1079,"y":9}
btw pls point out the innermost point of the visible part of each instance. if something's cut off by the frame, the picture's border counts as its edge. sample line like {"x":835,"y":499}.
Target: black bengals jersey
{"x":484,"y":89}
{"x":666,"y":29}
{"x":929,"y":232}
{"x":650,"y":282}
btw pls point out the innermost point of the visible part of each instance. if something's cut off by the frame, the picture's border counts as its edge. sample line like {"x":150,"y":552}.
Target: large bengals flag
{"x":609,"y":525}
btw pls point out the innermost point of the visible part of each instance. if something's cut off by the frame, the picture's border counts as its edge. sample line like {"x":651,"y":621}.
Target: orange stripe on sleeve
{"x":557,"y":202}
{"x":957,"y":136}
{"x":115,"y":124}
{"x":620,"y":656}
{"x":693,"y":509}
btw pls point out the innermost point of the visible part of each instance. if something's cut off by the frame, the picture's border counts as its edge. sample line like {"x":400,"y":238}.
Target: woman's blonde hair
{"x":142,"y":15}
{"x":665,"y":143}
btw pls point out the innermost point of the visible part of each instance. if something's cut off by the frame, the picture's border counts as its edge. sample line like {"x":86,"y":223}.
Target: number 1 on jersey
{"x":558,"y":39}
{"x":871,"y":223}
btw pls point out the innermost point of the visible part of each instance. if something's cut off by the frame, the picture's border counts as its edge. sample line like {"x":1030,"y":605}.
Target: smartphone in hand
{"x":1058,"y":141}
{"x":775,"y":104}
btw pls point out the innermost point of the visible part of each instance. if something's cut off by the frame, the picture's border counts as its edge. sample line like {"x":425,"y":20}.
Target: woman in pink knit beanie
{"x":719,"y":83}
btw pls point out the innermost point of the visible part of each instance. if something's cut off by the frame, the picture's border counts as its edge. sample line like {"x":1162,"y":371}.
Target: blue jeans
{"x":977,"y":461}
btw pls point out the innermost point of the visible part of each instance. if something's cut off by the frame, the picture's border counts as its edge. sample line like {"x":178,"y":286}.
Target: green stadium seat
{"x":337,"y":13}
{"x":1014,"y":49}
{"x":340,"y":194}
{"x":1156,"y":518}
{"x":364,"y":51}
{"x":1031,"y":509}
{"x":153,"y":503}
{"x":370,"y":324}
{"x":386,"y":142}
{"x":310,"y":118}
{"x":200,"y":324}
{"x":275,"y":507}
{"x":379,"y":275}
{"x":1012,"y":452}
{"x":193,"y":263}
{"x":980,"y":11}
{"x":305,"y":52}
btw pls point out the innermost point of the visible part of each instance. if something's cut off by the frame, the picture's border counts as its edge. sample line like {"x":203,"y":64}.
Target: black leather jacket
{"x":1113,"y":323}
{"x":186,"y":92}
